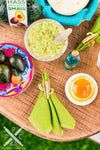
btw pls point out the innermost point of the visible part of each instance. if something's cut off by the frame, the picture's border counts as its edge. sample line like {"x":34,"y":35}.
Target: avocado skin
{"x":17,"y":62}
{"x":5,"y":73}
{"x":3,"y":57}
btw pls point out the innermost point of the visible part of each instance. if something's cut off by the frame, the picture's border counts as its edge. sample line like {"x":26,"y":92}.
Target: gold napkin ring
{"x":46,"y":88}
{"x":90,"y":38}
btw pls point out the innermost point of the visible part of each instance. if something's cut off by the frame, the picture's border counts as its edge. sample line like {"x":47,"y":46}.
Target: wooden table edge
{"x":45,"y":137}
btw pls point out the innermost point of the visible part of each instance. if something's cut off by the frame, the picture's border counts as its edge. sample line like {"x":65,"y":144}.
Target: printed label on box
{"x":17,"y":12}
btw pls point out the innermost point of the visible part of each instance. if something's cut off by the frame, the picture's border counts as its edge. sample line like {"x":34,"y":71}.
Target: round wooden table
{"x":18,"y":108}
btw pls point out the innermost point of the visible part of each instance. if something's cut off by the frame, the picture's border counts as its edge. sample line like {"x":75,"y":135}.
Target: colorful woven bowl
{"x":8,"y":90}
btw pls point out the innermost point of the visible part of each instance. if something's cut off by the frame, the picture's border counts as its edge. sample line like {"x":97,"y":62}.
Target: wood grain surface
{"x":18,"y":108}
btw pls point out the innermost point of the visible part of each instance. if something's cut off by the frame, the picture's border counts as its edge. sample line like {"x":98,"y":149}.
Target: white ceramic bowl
{"x":71,"y":98}
{"x":39,"y":58}
{"x":68,"y":7}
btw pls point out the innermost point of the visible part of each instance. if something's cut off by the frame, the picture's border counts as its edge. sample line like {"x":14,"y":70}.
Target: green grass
{"x":32,"y":142}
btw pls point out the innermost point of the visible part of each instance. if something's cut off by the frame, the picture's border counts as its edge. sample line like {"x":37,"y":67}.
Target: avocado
{"x":20,"y":24}
{"x":19,"y":16}
{"x":17,"y":62}
{"x":5,"y":73}
{"x":13,"y":20}
{"x":3,"y":57}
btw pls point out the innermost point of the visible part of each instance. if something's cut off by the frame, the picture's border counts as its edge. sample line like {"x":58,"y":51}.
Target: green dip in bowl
{"x":39,"y":40}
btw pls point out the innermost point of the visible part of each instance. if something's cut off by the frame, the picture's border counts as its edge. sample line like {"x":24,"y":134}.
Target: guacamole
{"x":41,"y":39}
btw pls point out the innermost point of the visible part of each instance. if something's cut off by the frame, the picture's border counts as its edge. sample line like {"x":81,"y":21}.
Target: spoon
{"x":63,"y":36}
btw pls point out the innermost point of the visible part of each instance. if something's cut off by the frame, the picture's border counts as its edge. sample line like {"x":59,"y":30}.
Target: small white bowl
{"x":39,"y":58}
{"x":72,"y":99}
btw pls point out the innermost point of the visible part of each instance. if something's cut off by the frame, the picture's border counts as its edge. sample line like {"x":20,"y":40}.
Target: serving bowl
{"x":40,"y":58}
{"x":79,"y":100}
{"x":75,"y":20}
{"x":10,"y":89}
{"x":67,"y":7}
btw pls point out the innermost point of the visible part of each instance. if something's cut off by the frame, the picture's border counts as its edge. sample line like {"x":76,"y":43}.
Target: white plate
{"x":70,"y":97}
{"x":68,"y":7}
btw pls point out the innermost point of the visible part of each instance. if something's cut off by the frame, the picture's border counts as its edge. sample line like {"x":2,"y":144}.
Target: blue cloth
{"x":86,"y":13}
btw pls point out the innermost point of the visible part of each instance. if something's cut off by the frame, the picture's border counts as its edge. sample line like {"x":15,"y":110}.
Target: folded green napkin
{"x":49,"y":113}
{"x":41,"y":115}
{"x":95,"y":31}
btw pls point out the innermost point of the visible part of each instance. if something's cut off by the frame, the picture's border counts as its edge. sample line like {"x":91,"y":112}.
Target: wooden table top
{"x":18,"y":108}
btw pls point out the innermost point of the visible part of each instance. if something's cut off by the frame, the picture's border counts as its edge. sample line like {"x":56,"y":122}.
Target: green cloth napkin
{"x":41,"y":116}
{"x":49,"y":114}
{"x":95,"y":29}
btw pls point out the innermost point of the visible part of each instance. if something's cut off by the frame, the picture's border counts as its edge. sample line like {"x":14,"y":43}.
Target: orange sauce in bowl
{"x":82,"y":88}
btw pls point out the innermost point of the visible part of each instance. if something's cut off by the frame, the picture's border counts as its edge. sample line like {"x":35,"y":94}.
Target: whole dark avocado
{"x":5,"y":73}
{"x":3,"y":57}
{"x":17,"y":62}
{"x":14,"y":20}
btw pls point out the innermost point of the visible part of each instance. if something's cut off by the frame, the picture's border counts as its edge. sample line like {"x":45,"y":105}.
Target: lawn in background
{"x":32,"y":142}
